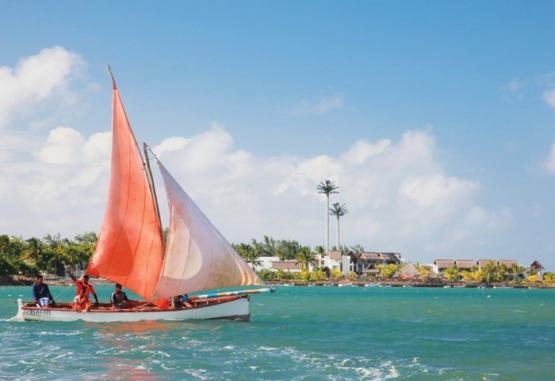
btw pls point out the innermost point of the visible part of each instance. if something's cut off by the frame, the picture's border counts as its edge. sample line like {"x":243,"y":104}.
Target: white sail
{"x":197,"y":256}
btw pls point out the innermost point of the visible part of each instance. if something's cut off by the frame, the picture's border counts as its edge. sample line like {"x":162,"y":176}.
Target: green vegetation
{"x":53,"y":254}
{"x":424,"y":273}
{"x":50,"y":254}
{"x":269,"y":247}
{"x":489,"y":273}
{"x":387,"y":271}
{"x":451,"y":274}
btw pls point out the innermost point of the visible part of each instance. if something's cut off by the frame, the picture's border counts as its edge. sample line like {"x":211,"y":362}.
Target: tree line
{"x":50,"y":254}
{"x":53,"y":253}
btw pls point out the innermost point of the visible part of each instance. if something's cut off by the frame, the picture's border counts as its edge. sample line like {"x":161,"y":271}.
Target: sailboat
{"x":132,"y":250}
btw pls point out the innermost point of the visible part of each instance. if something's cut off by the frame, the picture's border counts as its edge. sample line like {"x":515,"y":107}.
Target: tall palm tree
{"x":338,"y":210}
{"x":327,"y":187}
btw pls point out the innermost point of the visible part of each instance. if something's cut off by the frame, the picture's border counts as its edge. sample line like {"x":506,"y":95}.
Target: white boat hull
{"x":237,"y":309}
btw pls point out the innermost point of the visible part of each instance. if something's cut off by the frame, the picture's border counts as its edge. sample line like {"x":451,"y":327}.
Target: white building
{"x":336,"y":261}
{"x":275,"y":264}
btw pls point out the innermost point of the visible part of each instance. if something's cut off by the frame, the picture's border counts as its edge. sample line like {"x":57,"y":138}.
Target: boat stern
{"x":19,"y":315}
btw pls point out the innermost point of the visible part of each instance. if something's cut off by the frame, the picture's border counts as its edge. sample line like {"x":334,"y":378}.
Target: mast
{"x":146,"y":148}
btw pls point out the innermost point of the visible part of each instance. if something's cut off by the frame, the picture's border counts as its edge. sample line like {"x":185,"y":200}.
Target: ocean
{"x":301,"y":333}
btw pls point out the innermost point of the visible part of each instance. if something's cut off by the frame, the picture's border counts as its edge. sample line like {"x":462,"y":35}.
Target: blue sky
{"x":301,"y":79}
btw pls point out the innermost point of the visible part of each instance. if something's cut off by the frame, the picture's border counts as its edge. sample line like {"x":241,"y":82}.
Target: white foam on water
{"x":262,"y":348}
{"x":197,"y":373}
{"x":62,"y":355}
{"x":16,"y":318}
{"x":159,"y":352}
{"x":60,"y":333}
{"x":489,"y":376}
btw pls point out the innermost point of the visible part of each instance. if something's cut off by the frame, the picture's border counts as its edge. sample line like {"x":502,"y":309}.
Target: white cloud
{"x":399,"y":195}
{"x":60,"y":186}
{"x":437,"y":189}
{"x":549,"y":97}
{"x":171,"y":144}
{"x":362,"y":150}
{"x":514,"y":85}
{"x":62,"y":146}
{"x":550,"y":160}
{"x":34,"y":79}
{"x":323,"y":106}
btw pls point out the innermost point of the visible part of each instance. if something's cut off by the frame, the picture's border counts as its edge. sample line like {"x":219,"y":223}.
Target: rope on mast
{"x":150,"y":179}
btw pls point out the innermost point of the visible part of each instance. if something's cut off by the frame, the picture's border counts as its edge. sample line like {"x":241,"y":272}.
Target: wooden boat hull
{"x":234,"y":309}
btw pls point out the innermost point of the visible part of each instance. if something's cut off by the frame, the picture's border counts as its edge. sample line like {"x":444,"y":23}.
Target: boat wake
{"x":17,"y":317}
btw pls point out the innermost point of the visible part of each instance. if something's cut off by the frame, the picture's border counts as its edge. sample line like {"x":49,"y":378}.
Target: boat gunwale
{"x":194,"y":307}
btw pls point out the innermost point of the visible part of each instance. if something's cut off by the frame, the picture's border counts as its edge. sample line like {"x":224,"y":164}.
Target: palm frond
{"x":338,"y":210}
{"x":327,"y":187}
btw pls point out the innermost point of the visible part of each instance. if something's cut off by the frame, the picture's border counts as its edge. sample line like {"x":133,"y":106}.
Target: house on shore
{"x":508,"y":262}
{"x":465,"y":264}
{"x":275,"y":264}
{"x":366,"y":262}
{"x":440,"y":265}
{"x":537,"y":269}
{"x":337,"y":261}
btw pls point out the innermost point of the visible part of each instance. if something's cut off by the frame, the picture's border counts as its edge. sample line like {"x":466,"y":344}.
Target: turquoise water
{"x":313,"y":333}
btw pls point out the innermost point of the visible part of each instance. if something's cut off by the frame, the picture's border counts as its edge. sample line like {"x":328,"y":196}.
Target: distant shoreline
{"x":406,"y":283}
{"x":17,"y":280}
{"x":437,"y":283}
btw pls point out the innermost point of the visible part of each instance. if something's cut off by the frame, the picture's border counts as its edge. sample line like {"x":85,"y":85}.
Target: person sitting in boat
{"x":118,"y":298}
{"x":41,"y":293}
{"x":82,"y":301}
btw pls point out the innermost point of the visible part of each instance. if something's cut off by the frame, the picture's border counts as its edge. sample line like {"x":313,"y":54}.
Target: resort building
{"x":440,"y":265}
{"x":275,"y":264}
{"x":337,"y":261}
{"x":507,"y":262}
{"x":366,"y":262}
{"x":484,"y":262}
{"x":465,"y":264}
{"x":333,"y":261}
{"x":265,"y":263}
{"x":537,"y":269}
{"x":288,"y":265}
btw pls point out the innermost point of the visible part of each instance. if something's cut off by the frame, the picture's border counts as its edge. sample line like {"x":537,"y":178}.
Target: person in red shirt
{"x":82,"y":301}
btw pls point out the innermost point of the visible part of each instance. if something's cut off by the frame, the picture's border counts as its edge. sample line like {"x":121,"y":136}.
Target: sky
{"x":436,"y":119}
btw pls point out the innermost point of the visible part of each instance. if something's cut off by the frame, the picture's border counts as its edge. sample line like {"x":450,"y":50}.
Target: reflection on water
{"x":128,"y":369}
{"x":149,"y":326}
{"x":131,"y":349}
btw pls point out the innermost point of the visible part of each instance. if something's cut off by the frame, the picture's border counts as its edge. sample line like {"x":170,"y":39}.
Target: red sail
{"x":130,"y":247}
